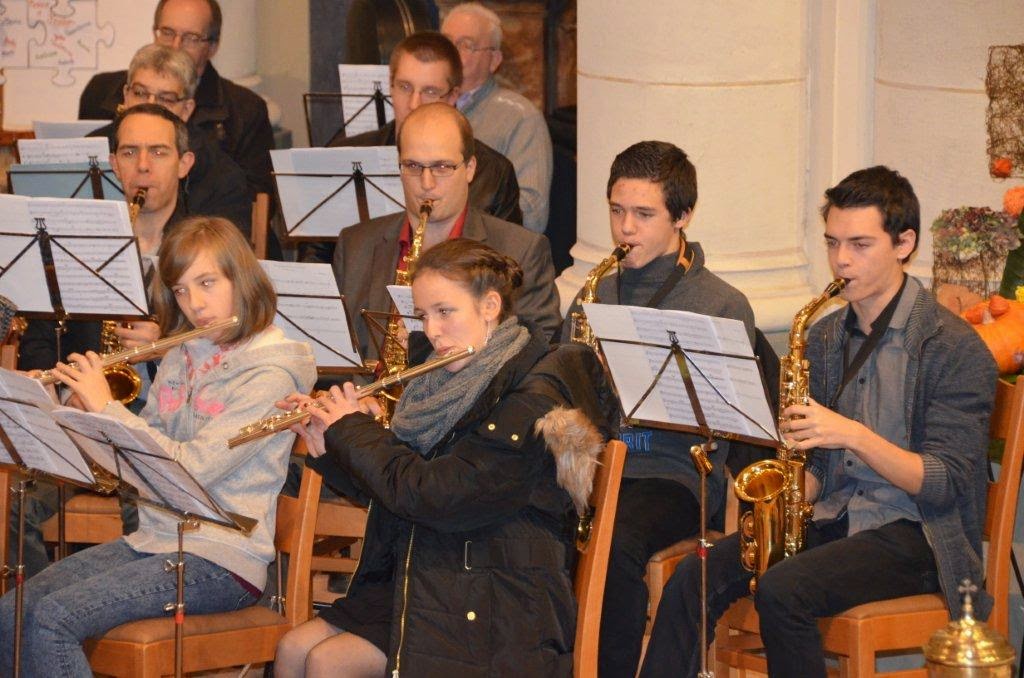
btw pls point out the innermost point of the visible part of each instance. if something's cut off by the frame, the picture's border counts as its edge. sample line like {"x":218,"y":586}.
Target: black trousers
{"x":834,"y":573}
{"x":653,"y":514}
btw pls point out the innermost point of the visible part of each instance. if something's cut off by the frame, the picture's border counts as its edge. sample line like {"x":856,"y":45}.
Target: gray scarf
{"x":433,"y":403}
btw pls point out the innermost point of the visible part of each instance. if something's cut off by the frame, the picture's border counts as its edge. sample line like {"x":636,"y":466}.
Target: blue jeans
{"x":91,"y":592}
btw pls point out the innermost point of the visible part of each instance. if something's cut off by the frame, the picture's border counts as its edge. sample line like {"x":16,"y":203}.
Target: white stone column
{"x":727,"y":82}
{"x":237,"y":55}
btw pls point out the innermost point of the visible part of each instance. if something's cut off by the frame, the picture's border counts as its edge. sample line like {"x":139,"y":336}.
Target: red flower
{"x":1001,"y":167}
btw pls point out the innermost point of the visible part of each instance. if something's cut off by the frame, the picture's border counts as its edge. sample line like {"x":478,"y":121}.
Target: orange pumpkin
{"x":1000,"y":322}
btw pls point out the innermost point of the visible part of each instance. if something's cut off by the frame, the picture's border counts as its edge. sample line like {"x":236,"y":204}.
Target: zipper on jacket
{"x":405,"y":605}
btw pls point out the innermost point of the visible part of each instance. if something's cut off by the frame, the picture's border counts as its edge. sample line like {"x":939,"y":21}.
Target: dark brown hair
{"x":157,"y":111}
{"x":477,"y":268}
{"x":661,"y":163}
{"x":255,"y":301}
{"x":428,"y":47}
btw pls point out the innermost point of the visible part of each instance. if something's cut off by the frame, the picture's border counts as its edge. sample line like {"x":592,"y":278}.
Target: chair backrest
{"x":592,"y":567}
{"x":296,"y":523}
{"x":260,"y":224}
{"x":1007,"y":425}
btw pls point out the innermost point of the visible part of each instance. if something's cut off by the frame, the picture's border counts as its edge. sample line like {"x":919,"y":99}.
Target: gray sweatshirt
{"x":202,"y":396}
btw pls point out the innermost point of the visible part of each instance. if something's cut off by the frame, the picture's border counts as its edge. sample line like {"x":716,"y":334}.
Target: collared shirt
{"x":405,"y":236}
{"x":875,"y":398}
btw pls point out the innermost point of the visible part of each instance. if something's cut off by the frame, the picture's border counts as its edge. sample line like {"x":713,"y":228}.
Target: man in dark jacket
{"x":216,"y":184}
{"x":231,"y":116}
{"x":437,"y":163}
{"x":426,"y":68}
{"x":902,"y":390}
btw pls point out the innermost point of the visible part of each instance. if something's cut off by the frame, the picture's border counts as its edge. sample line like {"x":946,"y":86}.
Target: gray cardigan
{"x":950,"y":390}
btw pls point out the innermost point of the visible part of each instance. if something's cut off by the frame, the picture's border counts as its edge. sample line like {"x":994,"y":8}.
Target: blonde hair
{"x":255,"y":301}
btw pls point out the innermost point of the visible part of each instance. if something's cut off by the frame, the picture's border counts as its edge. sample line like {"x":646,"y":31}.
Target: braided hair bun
{"x":477,"y":267}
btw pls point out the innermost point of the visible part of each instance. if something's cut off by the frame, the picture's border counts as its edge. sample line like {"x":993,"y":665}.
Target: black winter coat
{"x":475,"y":539}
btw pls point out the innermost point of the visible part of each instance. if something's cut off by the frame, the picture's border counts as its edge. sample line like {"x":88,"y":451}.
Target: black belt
{"x":513,"y":553}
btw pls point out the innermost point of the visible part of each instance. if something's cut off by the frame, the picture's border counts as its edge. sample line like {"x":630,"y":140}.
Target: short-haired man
{"x":437,"y":162}
{"x":652,"y":192}
{"x":425,"y":67}
{"x":216,"y":184}
{"x":902,"y":390}
{"x":506,"y":120}
{"x":151,"y":153}
{"x":233,"y":117}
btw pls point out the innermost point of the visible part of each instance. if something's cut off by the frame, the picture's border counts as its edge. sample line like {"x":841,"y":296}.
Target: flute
{"x":48,"y":377}
{"x":280,"y":422}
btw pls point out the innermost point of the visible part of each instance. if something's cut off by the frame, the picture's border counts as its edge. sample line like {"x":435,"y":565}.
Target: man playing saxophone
{"x":652,"y":192}
{"x":901,"y":391}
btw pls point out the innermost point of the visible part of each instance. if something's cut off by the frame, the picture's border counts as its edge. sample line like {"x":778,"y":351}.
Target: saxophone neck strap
{"x":878,"y":329}
{"x":682,"y":267}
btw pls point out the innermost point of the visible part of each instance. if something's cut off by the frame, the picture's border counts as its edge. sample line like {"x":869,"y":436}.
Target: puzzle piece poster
{"x":49,"y":49}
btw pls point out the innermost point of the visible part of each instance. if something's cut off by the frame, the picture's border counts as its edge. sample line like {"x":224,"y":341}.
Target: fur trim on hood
{"x":576,"y":444}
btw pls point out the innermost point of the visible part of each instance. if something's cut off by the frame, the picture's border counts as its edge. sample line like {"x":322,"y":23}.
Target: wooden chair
{"x":146,"y":648}
{"x":907,"y":623}
{"x":592,"y":567}
{"x":260,"y":224}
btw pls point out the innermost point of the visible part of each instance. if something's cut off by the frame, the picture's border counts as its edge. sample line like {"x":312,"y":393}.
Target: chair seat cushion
{"x":160,"y":629}
{"x":929,"y":602}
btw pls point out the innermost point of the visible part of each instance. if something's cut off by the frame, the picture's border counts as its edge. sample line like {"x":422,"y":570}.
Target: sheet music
{"x":724,"y":384}
{"x":364,"y":79}
{"x":308,"y":295}
{"x":82,"y":292}
{"x":301,"y":194}
{"x":26,"y":416}
{"x":158,"y":478}
{"x":63,"y":181}
{"x":402,"y":296}
{"x":66,"y":129}
{"x":62,"y":151}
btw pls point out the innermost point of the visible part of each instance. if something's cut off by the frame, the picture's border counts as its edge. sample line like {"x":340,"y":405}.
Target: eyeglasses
{"x":167,"y":99}
{"x":427,"y":94}
{"x":467,"y":45}
{"x":167,"y":36}
{"x":411,"y":168}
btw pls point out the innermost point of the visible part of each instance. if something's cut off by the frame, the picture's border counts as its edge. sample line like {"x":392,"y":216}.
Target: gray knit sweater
{"x":201,"y":397}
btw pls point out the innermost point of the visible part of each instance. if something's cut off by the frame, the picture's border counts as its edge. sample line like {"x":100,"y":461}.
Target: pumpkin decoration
{"x":1000,"y":322}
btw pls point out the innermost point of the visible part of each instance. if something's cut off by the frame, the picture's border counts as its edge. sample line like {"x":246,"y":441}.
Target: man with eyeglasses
{"x":232,"y":116}
{"x":437,"y":160}
{"x":506,"y":120}
{"x":215,"y":185}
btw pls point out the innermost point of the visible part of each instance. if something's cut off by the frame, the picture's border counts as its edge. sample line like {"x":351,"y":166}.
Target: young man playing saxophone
{"x":902,"y":391}
{"x":652,"y":192}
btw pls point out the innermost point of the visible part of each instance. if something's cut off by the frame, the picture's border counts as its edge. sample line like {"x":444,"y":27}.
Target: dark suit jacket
{"x":367,"y":255}
{"x":232,"y":116}
{"x":215,"y":185}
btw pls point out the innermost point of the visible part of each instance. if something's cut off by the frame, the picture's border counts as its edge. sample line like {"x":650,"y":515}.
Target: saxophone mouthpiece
{"x":140,"y":197}
{"x":835,"y":287}
{"x":426,"y":207}
{"x":621,"y":250}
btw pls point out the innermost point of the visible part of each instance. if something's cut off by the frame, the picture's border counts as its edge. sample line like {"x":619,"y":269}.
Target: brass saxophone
{"x":122,"y":378}
{"x":394,"y":358}
{"x":776,"y":525}
{"x":580,"y":331}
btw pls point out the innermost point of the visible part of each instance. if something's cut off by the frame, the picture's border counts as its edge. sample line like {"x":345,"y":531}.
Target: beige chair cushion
{"x":155,"y":630}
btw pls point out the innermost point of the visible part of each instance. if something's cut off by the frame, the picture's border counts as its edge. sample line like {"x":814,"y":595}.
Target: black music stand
{"x":91,"y":180}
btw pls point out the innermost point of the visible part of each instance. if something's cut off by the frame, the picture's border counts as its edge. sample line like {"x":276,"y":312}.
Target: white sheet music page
{"x":111,"y":254}
{"x":62,"y":151}
{"x":402,"y":296}
{"x":158,"y":478}
{"x":21,"y":270}
{"x":66,"y":129}
{"x":728,"y":386}
{"x":338,"y":209}
{"x":26,"y":416}
{"x":364,"y":79}
{"x":310,"y":309}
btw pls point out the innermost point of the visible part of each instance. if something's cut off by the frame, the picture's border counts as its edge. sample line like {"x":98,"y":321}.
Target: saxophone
{"x":776,"y":525}
{"x":123,"y":380}
{"x":393,"y":356}
{"x":580,"y":331}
